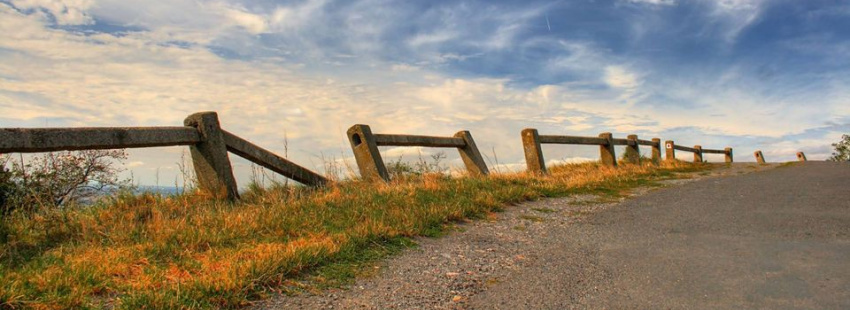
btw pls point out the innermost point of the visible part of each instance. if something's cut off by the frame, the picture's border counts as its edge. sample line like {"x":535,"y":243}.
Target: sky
{"x":292,"y":76}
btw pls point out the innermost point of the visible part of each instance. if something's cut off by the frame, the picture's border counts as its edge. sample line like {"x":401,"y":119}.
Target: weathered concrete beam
{"x":544,"y":139}
{"x":685,"y":148}
{"x":697,"y":153}
{"x":801,"y":156}
{"x":648,"y":142}
{"x":656,"y":150}
{"x":710,"y":151}
{"x":670,"y":148}
{"x":607,"y":154}
{"x":728,"y":155}
{"x":271,"y":161}
{"x":616,"y":141}
{"x":533,"y":152}
{"x":759,"y":157}
{"x":411,"y":140}
{"x":632,"y":153}
{"x":472,"y":158}
{"x":366,"y":153}
{"x":210,"y":159}
{"x":33,"y":140}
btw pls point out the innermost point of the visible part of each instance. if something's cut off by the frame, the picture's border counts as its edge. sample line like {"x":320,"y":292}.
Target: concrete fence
{"x":532,"y":141}
{"x":698,"y":151}
{"x":365,"y":145}
{"x":208,"y":144}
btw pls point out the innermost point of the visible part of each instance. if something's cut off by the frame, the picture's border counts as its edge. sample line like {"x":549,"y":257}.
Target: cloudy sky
{"x":292,"y":76}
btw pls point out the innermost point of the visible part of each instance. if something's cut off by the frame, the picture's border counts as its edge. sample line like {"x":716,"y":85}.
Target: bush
{"x":842,"y":149}
{"x":57,"y":178}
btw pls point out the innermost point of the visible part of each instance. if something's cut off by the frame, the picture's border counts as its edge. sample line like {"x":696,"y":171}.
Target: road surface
{"x":778,"y":239}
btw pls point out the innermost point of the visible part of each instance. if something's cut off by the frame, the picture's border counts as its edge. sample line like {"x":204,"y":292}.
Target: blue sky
{"x":292,"y":76}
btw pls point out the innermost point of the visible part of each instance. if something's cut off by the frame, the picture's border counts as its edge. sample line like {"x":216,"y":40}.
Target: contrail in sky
{"x":547,"y":22}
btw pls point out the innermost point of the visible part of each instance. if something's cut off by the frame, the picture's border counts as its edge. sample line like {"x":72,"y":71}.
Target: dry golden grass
{"x":188,"y":252}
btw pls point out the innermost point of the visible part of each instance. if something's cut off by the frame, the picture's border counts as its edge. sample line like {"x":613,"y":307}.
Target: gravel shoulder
{"x":529,"y":256}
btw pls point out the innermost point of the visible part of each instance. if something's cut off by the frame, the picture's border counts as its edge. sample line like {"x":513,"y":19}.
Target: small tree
{"x":842,"y":149}
{"x":54,"y":179}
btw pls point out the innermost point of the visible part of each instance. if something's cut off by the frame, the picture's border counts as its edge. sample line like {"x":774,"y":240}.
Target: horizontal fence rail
{"x":207,"y":142}
{"x":35,"y":140}
{"x":572,"y":140}
{"x":411,"y":140}
{"x":365,"y":144}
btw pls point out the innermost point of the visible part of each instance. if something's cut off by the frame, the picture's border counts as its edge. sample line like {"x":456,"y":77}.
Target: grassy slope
{"x":186,"y":251}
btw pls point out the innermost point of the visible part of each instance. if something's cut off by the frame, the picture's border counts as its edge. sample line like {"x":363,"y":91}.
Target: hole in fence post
{"x":670,"y":148}
{"x":366,"y":153}
{"x":356,"y":140}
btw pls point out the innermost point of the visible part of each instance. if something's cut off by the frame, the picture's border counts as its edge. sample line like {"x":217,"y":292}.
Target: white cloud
{"x":619,"y":77}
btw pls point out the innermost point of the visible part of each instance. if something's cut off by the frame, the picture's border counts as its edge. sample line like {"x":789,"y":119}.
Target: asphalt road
{"x":778,"y":239}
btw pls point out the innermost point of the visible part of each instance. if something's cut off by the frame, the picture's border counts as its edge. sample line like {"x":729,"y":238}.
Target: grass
{"x":190,"y":252}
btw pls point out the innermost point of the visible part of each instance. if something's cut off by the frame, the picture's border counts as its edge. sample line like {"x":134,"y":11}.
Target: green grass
{"x":190,"y":252}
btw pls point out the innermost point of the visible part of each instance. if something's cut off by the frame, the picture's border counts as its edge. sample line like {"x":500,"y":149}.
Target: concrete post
{"x":728,"y":155}
{"x":607,"y":154}
{"x":759,"y":157}
{"x":210,"y":159}
{"x":471,"y":156}
{"x":632,"y":150}
{"x":670,"y":148}
{"x":366,"y":153}
{"x":533,"y":153}
{"x":656,"y":150}
{"x":698,"y":154}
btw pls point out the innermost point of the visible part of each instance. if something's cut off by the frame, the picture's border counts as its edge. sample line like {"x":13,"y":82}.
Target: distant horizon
{"x":292,"y":76}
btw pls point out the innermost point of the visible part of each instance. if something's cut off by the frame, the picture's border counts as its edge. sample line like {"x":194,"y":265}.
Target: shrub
{"x":842,"y":149}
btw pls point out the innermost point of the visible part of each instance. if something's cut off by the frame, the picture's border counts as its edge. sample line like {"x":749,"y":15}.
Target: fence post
{"x":670,"y":146}
{"x":366,"y":153}
{"x":632,"y":150}
{"x":656,"y":150}
{"x":728,"y":155}
{"x":801,"y":156}
{"x":472,"y":158}
{"x":607,"y":154}
{"x":698,"y":154}
{"x":533,"y":153}
{"x":759,"y":157}
{"x":210,"y":159}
